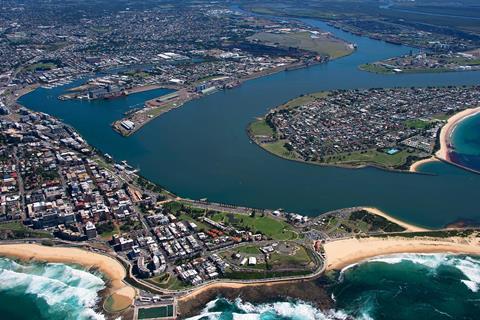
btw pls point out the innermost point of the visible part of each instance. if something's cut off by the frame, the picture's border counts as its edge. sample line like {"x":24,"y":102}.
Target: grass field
{"x":272,"y":228}
{"x":279,"y":149}
{"x":417,"y":124}
{"x":137,"y":74}
{"x":20,"y":231}
{"x":168,"y":281}
{"x":375,"y":68}
{"x":321,"y":45}
{"x":249,"y":250}
{"x":301,"y":259}
{"x":260,"y":128}
{"x":303,"y":100}
{"x":442,"y":117}
{"x":109,"y":231}
{"x":418,"y":12}
{"x":370,"y":157}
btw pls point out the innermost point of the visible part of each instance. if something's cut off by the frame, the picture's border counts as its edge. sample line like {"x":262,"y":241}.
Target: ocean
{"x":52,"y":291}
{"x":466,"y":141}
{"x":395,"y":287}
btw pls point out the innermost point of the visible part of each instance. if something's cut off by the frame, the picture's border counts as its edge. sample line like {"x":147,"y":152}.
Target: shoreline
{"x":120,"y":292}
{"x":415,"y":167}
{"x":343,"y":253}
{"x":447,"y":131}
{"x":441,"y":155}
{"x":323,"y":164}
{"x":308,"y":290}
{"x":181,"y":101}
{"x":186,"y":96}
{"x":408,"y":226}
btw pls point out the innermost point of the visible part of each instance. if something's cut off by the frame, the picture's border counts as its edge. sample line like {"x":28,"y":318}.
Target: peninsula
{"x":427,"y":62}
{"x":387,"y":128}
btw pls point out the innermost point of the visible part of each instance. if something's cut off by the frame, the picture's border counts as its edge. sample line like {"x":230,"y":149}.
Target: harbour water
{"x":399,"y":287}
{"x":202,"y":150}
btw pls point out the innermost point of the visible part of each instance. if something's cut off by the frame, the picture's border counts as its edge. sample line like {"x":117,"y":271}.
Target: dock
{"x":153,"y":108}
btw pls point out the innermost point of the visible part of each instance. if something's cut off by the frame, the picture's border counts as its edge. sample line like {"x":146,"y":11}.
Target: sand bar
{"x":408,"y":227}
{"x":342,"y":253}
{"x":447,"y":129}
{"x":107,"y":265}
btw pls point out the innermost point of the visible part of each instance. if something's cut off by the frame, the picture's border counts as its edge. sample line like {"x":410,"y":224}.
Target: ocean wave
{"x":207,"y":316}
{"x":468,"y":266}
{"x":292,"y":310}
{"x":68,"y":292}
{"x":342,"y":272}
{"x":73,"y":276}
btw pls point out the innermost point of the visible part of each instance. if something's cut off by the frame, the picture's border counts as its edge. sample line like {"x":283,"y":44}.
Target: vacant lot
{"x":320,"y":44}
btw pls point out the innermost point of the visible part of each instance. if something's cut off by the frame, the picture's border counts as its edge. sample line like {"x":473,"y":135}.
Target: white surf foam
{"x":470,"y":267}
{"x":296,"y":310}
{"x":207,"y":315}
{"x":79,"y":297}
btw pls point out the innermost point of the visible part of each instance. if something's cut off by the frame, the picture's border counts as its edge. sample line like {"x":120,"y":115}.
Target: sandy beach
{"x":446,"y":132}
{"x":416,"y":165}
{"x":408,"y":227}
{"x":112,"y":269}
{"x":239,"y":285}
{"x":342,"y":253}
